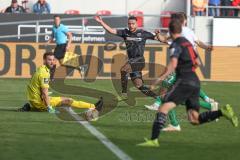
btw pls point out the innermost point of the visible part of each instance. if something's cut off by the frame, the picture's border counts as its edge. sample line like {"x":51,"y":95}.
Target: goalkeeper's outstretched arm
{"x":106,"y":26}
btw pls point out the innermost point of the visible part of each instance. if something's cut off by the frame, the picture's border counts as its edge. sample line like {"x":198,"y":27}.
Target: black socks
{"x":145,"y":90}
{"x":209,"y":116}
{"x":124,"y":81}
{"x":158,"y":124}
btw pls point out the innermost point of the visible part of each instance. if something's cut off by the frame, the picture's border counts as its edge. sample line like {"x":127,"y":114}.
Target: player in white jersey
{"x":186,"y":32}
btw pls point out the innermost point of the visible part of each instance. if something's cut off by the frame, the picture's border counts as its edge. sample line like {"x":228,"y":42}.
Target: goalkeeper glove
{"x":50,"y":109}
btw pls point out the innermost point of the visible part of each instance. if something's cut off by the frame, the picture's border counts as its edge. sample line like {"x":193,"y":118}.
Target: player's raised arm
{"x":160,"y":37}
{"x":200,"y":43}
{"x":105,"y":26}
{"x":204,"y":46}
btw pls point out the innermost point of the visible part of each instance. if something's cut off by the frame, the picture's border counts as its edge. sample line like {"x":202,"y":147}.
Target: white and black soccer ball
{"x":91,"y":115}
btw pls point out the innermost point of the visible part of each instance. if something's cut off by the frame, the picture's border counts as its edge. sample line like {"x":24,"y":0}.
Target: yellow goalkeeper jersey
{"x":40,"y":79}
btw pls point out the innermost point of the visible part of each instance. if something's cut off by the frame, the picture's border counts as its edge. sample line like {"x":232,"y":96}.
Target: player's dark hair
{"x":184,"y":15}
{"x":55,"y":16}
{"x":174,"y":16}
{"x":132,"y":18}
{"x":178,"y":16}
{"x":175,"y":26}
{"x":45,"y":55}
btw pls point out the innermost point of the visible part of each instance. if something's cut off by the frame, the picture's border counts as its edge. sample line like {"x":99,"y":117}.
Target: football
{"x":91,"y":115}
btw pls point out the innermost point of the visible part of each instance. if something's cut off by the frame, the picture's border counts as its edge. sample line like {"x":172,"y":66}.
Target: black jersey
{"x":135,"y":41}
{"x":183,"y":50}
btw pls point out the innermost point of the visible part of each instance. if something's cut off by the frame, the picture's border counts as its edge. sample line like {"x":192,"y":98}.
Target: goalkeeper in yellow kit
{"x":37,"y":91}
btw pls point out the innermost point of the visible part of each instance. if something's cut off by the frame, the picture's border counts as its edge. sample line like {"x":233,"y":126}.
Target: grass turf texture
{"x":44,"y":136}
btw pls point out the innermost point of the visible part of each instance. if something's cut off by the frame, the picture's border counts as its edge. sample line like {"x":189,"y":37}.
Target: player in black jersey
{"x":186,"y":89}
{"x":135,"y":40}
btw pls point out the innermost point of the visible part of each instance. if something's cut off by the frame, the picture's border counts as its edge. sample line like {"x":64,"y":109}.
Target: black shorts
{"x":184,"y":93}
{"x":137,"y":65}
{"x":59,"y":51}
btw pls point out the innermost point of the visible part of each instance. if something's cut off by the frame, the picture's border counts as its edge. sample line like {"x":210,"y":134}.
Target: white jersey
{"x":189,"y":35}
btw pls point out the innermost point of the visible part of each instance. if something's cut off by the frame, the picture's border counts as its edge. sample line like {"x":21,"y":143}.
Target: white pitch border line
{"x":101,"y":137}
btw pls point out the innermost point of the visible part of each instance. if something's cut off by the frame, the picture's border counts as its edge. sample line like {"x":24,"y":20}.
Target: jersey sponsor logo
{"x":45,"y":80}
{"x":139,"y":34}
{"x":134,"y":39}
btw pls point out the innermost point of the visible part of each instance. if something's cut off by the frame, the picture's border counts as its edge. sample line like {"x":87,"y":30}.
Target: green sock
{"x":158,"y":101}
{"x":205,"y":105}
{"x":173,"y":118}
{"x":203,"y":95}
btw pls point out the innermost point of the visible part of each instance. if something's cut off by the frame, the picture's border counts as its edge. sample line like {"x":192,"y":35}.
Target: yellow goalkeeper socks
{"x":81,"y":104}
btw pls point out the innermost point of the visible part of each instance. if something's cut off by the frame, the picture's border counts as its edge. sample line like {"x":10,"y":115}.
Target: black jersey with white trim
{"x":135,"y":41}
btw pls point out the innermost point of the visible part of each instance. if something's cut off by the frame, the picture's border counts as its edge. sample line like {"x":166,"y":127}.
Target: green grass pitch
{"x":38,"y":136}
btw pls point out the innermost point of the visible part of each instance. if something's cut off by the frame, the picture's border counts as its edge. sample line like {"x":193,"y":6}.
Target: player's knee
{"x":67,"y":101}
{"x":194,"y":120}
{"x":123,"y":70}
{"x":123,"y":73}
{"x":139,"y":86}
{"x":138,"y":83}
{"x":136,"y":78}
{"x":163,"y":110}
{"x":193,"y":117}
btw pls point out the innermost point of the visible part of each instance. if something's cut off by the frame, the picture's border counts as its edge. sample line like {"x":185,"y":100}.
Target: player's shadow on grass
{"x":8,"y":110}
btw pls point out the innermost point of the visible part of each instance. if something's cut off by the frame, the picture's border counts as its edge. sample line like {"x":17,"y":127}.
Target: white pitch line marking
{"x":101,"y":137}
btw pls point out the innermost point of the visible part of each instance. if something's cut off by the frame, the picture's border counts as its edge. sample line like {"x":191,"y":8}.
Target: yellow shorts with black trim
{"x":40,"y":106}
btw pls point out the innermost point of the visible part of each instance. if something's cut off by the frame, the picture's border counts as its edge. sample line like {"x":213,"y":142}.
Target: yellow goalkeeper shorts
{"x":40,"y":105}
